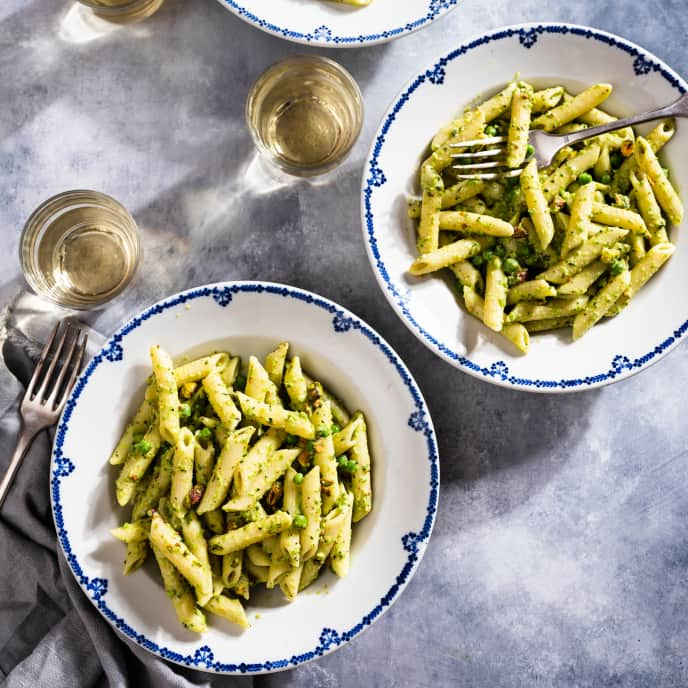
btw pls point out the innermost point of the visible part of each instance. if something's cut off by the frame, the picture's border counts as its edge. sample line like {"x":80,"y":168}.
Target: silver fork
{"x":545,"y":145}
{"x":46,"y":394}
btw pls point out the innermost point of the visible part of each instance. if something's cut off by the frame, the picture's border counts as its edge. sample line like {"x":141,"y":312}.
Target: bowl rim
{"x":498,"y":372}
{"x":324,"y":37}
{"x":414,"y":544}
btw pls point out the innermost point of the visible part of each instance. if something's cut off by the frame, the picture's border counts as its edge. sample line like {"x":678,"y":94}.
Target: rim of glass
{"x":341,"y":72}
{"x":42,"y":214}
{"x":118,"y":10}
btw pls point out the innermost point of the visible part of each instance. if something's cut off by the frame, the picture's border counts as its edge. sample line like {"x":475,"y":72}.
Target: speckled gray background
{"x":560,"y":553}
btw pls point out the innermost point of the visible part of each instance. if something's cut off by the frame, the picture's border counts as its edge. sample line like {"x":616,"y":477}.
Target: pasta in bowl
{"x":548,"y":248}
{"x":239,"y":478}
{"x":165,"y":495}
{"x":570,"y":245}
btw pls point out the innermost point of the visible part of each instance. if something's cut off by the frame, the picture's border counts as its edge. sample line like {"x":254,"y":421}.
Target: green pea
{"x":342,"y":461}
{"x":606,"y":179}
{"x":584,"y":178}
{"x":488,"y":255}
{"x":184,"y":411}
{"x":352,"y":466}
{"x":299,"y":521}
{"x":529,"y":150}
{"x":513,"y":193}
{"x":616,"y":159}
{"x":335,"y":428}
{"x":616,"y":267}
{"x":523,"y":250}
{"x":477,"y":261}
{"x":490,"y":130}
{"x":205,"y":433}
{"x":510,"y":265}
{"x":291,"y":440}
{"x":298,"y":478}
{"x":144,"y":446}
{"x":499,"y":250}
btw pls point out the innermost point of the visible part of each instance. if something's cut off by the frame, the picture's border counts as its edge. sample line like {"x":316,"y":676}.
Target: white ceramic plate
{"x":337,"y":348}
{"x":575,"y":56}
{"x":334,"y":25}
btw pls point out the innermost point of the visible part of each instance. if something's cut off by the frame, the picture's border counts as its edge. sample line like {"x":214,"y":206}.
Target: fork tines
{"x":52,"y":385}
{"x":494,"y":168}
{"x":487,"y":141}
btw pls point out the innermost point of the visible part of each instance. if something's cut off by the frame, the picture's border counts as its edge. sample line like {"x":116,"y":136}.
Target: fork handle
{"x":678,"y":108}
{"x":25,"y":438}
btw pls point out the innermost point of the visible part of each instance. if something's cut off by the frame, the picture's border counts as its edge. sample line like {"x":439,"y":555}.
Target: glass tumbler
{"x":123,"y":10}
{"x":80,"y":249}
{"x":305,"y":113}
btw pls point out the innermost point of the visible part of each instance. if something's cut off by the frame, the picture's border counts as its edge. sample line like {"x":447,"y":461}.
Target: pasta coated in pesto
{"x":567,"y":245}
{"x":240,"y":476}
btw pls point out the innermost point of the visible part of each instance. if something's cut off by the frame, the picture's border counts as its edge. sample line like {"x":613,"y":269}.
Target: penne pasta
{"x":143,"y":418}
{"x":648,"y":265}
{"x":257,"y":380}
{"x":579,"y":222}
{"x":181,"y":595}
{"x":227,"y":608}
{"x":665,"y":193}
{"x":577,"y":106}
{"x":136,"y":465}
{"x":294,"y":422}
{"x":199,"y":368}
{"x":564,"y":270}
{"x":519,"y":125}
{"x":256,"y":531}
{"x":600,"y":304}
{"x":361,"y":483}
{"x":275,"y":362}
{"x":170,"y":544}
{"x":262,"y":480}
{"x":473,"y":223}
{"x":495,"y":295}
{"x":221,"y":400}
{"x":431,"y":204}
{"x":168,"y":398}
{"x":533,"y":290}
{"x":311,"y":504}
{"x":182,"y":470}
{"x":514,"y":332}
{"x":295,"y":383}
{"x":537,"y":205}
{"x":443,"y":257}
{"x":324,"y":455}
{"x":230,"y":457}
{"x":555,"y":308}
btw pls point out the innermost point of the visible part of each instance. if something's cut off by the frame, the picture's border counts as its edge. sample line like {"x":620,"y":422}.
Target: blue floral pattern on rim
{"x":329,"y":639}
{"x":643,"y":63}
{"x":324,"y":35}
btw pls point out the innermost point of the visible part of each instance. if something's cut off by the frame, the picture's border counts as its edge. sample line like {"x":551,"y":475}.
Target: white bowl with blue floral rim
{"x":336,"y":25}
{"x":336,"y":347}
{"x":575,"y":56}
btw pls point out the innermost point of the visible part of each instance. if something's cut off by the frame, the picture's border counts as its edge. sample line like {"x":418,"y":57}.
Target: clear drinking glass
{"x":305,"y":113}
{"x":123,"y":10}
{"x":79,"y":249}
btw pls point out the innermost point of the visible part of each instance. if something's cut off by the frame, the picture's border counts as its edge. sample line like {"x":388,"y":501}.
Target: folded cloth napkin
{"x":50,"y":633}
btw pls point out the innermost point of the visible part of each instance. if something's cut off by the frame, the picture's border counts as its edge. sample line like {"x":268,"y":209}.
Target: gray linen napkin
{"x":50,"y":633}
